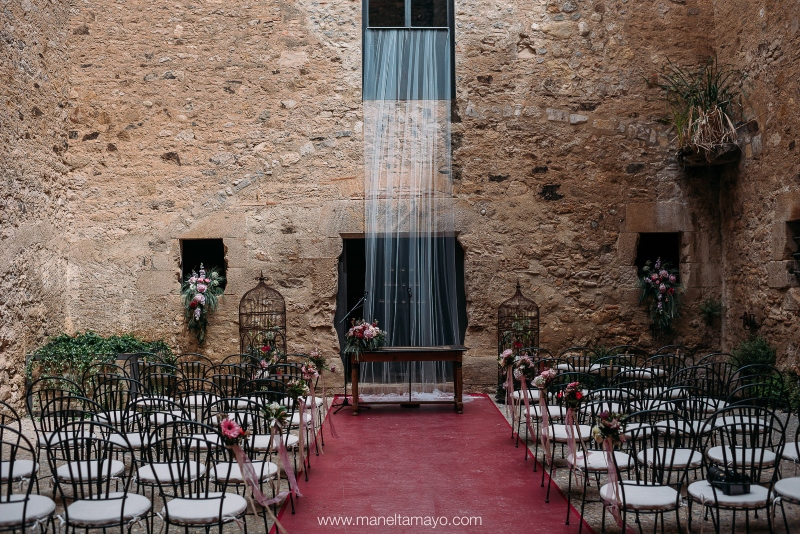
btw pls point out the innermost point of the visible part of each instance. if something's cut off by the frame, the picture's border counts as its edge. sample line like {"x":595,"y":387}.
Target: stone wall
{"x":225,"y":119}
{"x":762,"y":195}
{"x":34,"y":189}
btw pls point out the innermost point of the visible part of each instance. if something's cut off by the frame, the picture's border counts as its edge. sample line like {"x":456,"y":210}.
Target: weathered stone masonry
{"x":243,"y":121}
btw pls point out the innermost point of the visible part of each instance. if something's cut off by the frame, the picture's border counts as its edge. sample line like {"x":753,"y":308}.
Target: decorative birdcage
{"x":262,"y":321}
{"x":517,"y":328}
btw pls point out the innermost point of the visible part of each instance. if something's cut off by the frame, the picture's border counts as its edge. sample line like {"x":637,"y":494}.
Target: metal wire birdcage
{"x":517,"y":328}
{"x":262,"y":321}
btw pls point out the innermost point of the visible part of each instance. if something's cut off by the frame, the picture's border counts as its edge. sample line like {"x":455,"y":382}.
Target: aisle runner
{"x":395,"y":465}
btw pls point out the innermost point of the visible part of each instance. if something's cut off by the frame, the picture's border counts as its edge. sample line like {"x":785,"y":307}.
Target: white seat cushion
{"x":682,"y":427}
{"x":206,"y":510}
{"x":159,"y":418}
{"x":744,"y":457}
{"x":680,"y":459}
{"x":168,"y":473}
{"x":153,"y":400}
{"x":789,"y":488}
{"x":232,"y":472}
{"x":637,"y":430}
{"x":317,"y":402}
{"x":702,"y":492}
{"x":790,"y":452}
{"x":113,"y":418}
{"x":261,"y":442}
{"x":22,"y":469}
{"x":611,"y":406}
{"x":38,"y":508}
{"x":554,"y":412}
{"x":100,"y":512}
{"x":743,"y":421}
{"x":596,"y":461}
{"x":643,"y":496}
{"x":199,"y":400}
{"x":533,"y":394}
{"x":89,"y":469}
{"x":558,"y":433}
{"x":201,"y":441}
{"x":134,"y":439}
{"x":711,"y":405}
{"x":296,"y":418}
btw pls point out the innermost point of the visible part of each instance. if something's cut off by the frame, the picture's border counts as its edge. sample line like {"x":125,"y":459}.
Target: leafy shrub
{"x":710,"y":310}
{"x":755,"y":350}
{"x":70,"y":356}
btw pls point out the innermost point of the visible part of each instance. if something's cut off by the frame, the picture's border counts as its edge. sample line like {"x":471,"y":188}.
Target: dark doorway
{"x":209,"y":252}
{"x":352,"y":276}
{"x":654,"y":245}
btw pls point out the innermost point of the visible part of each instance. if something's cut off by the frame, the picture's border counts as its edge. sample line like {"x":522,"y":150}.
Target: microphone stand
{"x":346,"y":358}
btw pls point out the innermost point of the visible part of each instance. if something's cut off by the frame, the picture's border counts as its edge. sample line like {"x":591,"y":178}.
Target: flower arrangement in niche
{"x":364,"y":336}
{"x":200,"y":292}
{"x":661,"y":293}
{"x":609,"y":425}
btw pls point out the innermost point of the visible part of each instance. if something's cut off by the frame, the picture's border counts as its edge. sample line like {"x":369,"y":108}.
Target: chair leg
{"x":569,"y":495}
{"x":783,"y":513}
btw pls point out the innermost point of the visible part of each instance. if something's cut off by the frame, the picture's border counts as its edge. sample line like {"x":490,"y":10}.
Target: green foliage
{"x":70,"y":356}
{"x":755,"y":350}
{"x":710,"y":310}
{"x":600,"y":351}
{"x":704,"y":103}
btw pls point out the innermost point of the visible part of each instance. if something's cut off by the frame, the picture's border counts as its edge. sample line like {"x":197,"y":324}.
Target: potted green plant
{"x":706,"y":110}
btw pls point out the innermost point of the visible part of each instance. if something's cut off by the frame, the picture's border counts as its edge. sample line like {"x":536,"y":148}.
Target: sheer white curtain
{"x":410,"y":240}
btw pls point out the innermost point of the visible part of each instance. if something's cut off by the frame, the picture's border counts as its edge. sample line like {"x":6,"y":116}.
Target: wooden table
{"x":448,"y":353}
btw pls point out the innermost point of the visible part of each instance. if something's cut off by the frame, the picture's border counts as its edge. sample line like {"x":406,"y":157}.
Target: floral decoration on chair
{"x":200,"y":292}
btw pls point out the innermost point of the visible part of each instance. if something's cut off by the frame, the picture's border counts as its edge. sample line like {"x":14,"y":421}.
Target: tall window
{"x":405,"y":41}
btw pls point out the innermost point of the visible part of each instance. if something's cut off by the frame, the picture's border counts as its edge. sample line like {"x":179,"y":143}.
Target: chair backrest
{"x":658,"y":441}
{"x":765,"y":394}
{"x":194,"y":369}
{"x":9,"y":416}
{"x":678,"y":350}
{"x":87,"y":463}
{"x":158,"y":378}
{"x":264,"y":390}
{"x":117,"y":397}
{"x":191,"y":449}
{"x":17,"y":454}
{"x":194,"y":357}
{"x":714,"y":357}
{"x":46,"y":388}
{"x":748,"y":438}
{"x":98,"y":372}
{"x":228,"y":377}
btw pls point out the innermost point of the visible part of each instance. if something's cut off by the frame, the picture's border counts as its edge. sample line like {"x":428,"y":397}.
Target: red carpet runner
{"x":402,"y":471}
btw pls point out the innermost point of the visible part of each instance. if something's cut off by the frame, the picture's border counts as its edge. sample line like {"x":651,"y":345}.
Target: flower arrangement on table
{"x":200,"y":292}
{"x":231,"y":432}
{"x":609,"y":425}
{"x":364,"y":336}
{"x":661,"y":293}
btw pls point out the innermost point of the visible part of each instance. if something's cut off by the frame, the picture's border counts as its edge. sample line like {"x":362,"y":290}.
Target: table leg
{"x":354,"y":383}
{"x":458,"y":386}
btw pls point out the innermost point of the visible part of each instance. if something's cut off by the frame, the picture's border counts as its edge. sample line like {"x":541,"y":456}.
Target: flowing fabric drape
{"x":409,"y":222}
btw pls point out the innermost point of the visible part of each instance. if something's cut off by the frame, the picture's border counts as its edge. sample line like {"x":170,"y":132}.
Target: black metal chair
{"x":20,"y":510}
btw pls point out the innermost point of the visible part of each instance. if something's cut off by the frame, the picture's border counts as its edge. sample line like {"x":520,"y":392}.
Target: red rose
{"x":193,"y":304}
{"x":579,"y":395}
{"x":671,"y":291}
{"x":517,"y":345}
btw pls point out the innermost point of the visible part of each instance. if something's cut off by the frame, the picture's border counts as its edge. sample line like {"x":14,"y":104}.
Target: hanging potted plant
{"x":706,"y":111}
{"x":199,"y":293}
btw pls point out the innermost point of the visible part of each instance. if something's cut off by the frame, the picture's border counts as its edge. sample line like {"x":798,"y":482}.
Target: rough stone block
{"x":577,"y":119}
{"x":216,"y":226}
{"x":157,"y":283}
{"x":557,"y":115}
{"x":778,"y":274}
{"x":657,"y":217}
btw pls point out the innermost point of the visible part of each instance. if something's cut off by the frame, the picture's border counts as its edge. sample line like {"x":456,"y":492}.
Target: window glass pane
{"x":429,"y":13}
{"x":383,"y":13}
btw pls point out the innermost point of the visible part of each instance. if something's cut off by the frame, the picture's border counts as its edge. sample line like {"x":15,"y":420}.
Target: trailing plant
{"x":710,"y":310}
{"x":661,"y":293}
{"x":755,"y":350}
{"x":705,"y":104}
{"x":200,"y":293}
{"x":70,"y":356}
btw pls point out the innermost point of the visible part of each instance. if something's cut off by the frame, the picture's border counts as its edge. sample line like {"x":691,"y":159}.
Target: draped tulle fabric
{"x":409,"y":237}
